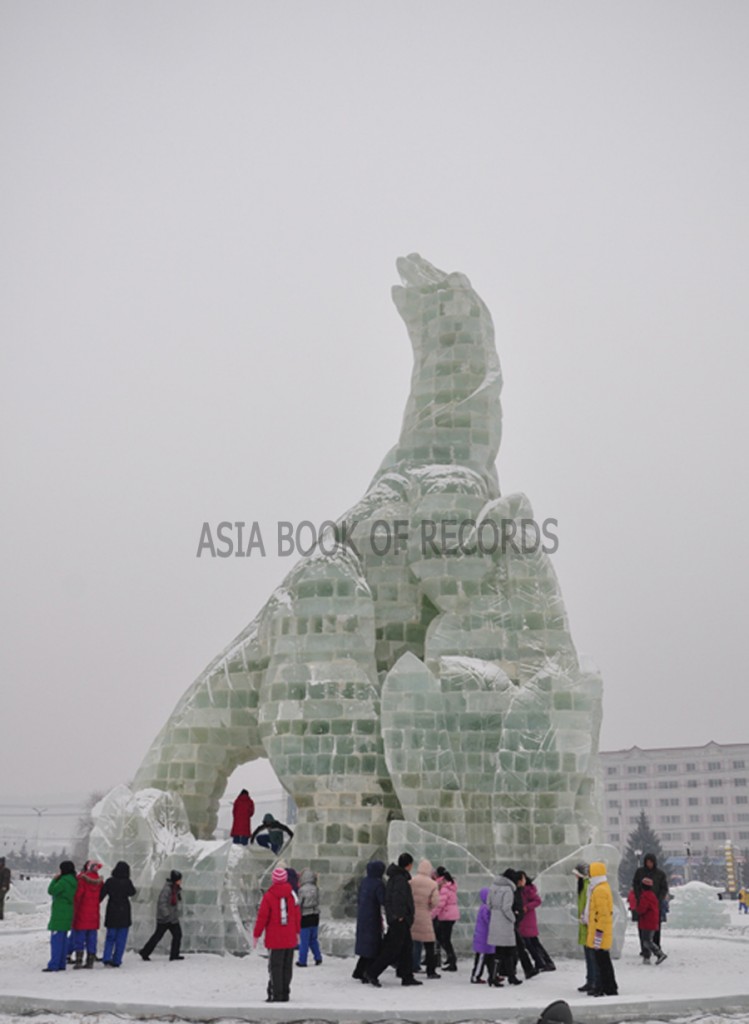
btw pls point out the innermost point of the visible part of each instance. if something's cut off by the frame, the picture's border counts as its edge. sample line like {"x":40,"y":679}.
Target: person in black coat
{"x":118,"y":890}
{"x":369,"y":918}
{"x":397,"y":947}
{"x":650,"y":869}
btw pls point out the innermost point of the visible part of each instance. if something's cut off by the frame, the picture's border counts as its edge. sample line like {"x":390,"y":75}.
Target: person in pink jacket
{"x":446,"y":914}
{"x":528,"y":925}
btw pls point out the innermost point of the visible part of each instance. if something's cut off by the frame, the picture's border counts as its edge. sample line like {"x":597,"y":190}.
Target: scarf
{"x":175,"y":894}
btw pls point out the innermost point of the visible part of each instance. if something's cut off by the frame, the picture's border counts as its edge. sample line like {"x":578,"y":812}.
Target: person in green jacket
{"x":592,"y":981}
{"x":62,"y":890}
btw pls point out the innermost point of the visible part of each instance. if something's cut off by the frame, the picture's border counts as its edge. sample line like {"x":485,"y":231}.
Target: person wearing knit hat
{"x":167,"y":918}
{"x":280,"y":919}
{"x":648,"y":919}
{"x":599,"y":915}
{"x":86,"y":916}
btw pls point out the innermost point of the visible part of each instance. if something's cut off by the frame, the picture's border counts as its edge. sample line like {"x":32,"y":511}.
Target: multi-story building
{"x":695,"y":798}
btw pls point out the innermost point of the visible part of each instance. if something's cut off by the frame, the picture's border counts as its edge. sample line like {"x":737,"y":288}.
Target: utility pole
{"x":39,"y":812}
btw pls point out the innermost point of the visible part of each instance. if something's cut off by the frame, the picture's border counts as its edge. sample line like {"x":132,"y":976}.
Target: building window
{"x":668,"y":784}
{"x":633,"y":821}
{"x":695,"y":818}
{"x":738,"y":765}
{"x":739,"y":782}
{"x":614,"y":837}
{"x":742,"y":817}
{"x":715,"y":783}
{"x":638,"y":803}
{"x":671,"y":819}
{"x":636,"y":769}
{"x":743,"y":835}
{"x":692,"y":783}
{"x":637,"y":785}
{"x":719,"y":835}
{"x":693,"y":801}
{"x":742,"y":799}
{"x":695,"y":836}
{"x":713,"y":766}
{"x":716,"y":800}
{"x":691,"y":767}
{"x":612,"y":771}
{"x":668,"y":801}
{"x":717,"y":818}
{"x":613,"y":821}
{"x":611,"y":786}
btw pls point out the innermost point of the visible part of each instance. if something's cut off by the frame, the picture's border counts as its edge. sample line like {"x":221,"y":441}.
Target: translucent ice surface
{"x":696,"y":905}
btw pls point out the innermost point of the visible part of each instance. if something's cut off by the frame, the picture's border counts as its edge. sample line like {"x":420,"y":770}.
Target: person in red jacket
{"x":648,"y":920}
{"x":280,"y":918}
{"x":242,"y":810}
{"x":86,"y":917}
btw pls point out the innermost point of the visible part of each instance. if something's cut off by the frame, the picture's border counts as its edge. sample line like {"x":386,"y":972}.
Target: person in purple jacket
{"x":528,"y":925}
{"x":484,"y":952}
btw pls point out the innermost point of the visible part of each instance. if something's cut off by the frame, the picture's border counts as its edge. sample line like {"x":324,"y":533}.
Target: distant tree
{"x":83,"y":829}
{"x":708,"y":869}
{"x":641,"y":841}
{"x":34,"y":863}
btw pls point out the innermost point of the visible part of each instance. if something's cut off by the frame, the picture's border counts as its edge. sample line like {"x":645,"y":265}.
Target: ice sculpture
{"x":696,"y":905}
{"x":413,"y":681}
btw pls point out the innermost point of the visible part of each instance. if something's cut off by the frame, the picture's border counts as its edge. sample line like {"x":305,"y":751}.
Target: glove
{"x":598,"y":940}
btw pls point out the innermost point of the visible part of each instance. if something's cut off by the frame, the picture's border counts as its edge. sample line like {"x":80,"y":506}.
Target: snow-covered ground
{"x":705,"y":978}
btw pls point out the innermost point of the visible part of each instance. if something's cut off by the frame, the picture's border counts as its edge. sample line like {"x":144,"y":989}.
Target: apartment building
{"x":694,"y":797}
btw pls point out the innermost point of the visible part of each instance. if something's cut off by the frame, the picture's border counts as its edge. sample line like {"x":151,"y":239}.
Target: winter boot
{"x":90,"y":960}
{"x":494,"y":976}
{"x":78,"y":962}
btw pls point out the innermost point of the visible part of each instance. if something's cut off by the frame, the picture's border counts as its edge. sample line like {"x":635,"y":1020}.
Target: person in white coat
{"x":502,"y":929}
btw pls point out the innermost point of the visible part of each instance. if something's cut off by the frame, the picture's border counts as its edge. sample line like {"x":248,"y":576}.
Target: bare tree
{"x":83,"y":828}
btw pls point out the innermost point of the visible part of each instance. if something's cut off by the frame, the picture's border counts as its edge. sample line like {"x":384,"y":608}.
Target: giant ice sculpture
{"x":412,"y":684}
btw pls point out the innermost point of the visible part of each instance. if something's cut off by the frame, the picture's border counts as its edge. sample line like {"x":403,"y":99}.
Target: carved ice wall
{"x":425,"y":694}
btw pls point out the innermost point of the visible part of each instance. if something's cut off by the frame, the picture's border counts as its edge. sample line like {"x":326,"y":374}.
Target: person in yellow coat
{"x":743,"y":899}
{"x":599,"y":916}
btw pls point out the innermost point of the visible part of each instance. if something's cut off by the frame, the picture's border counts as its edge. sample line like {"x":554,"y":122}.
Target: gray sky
{"x":202,"y":204}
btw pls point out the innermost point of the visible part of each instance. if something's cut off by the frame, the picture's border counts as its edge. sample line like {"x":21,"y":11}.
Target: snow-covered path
{"x":702,"y":974}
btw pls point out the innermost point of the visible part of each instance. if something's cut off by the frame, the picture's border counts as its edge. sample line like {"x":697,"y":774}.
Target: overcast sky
{"x":202,"y":204}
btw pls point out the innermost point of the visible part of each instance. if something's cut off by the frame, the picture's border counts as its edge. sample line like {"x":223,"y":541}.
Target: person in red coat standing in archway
{"x":242,"y":811}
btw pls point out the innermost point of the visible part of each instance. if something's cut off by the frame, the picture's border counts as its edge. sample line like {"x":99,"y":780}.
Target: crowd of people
{"x":405,"y":918}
